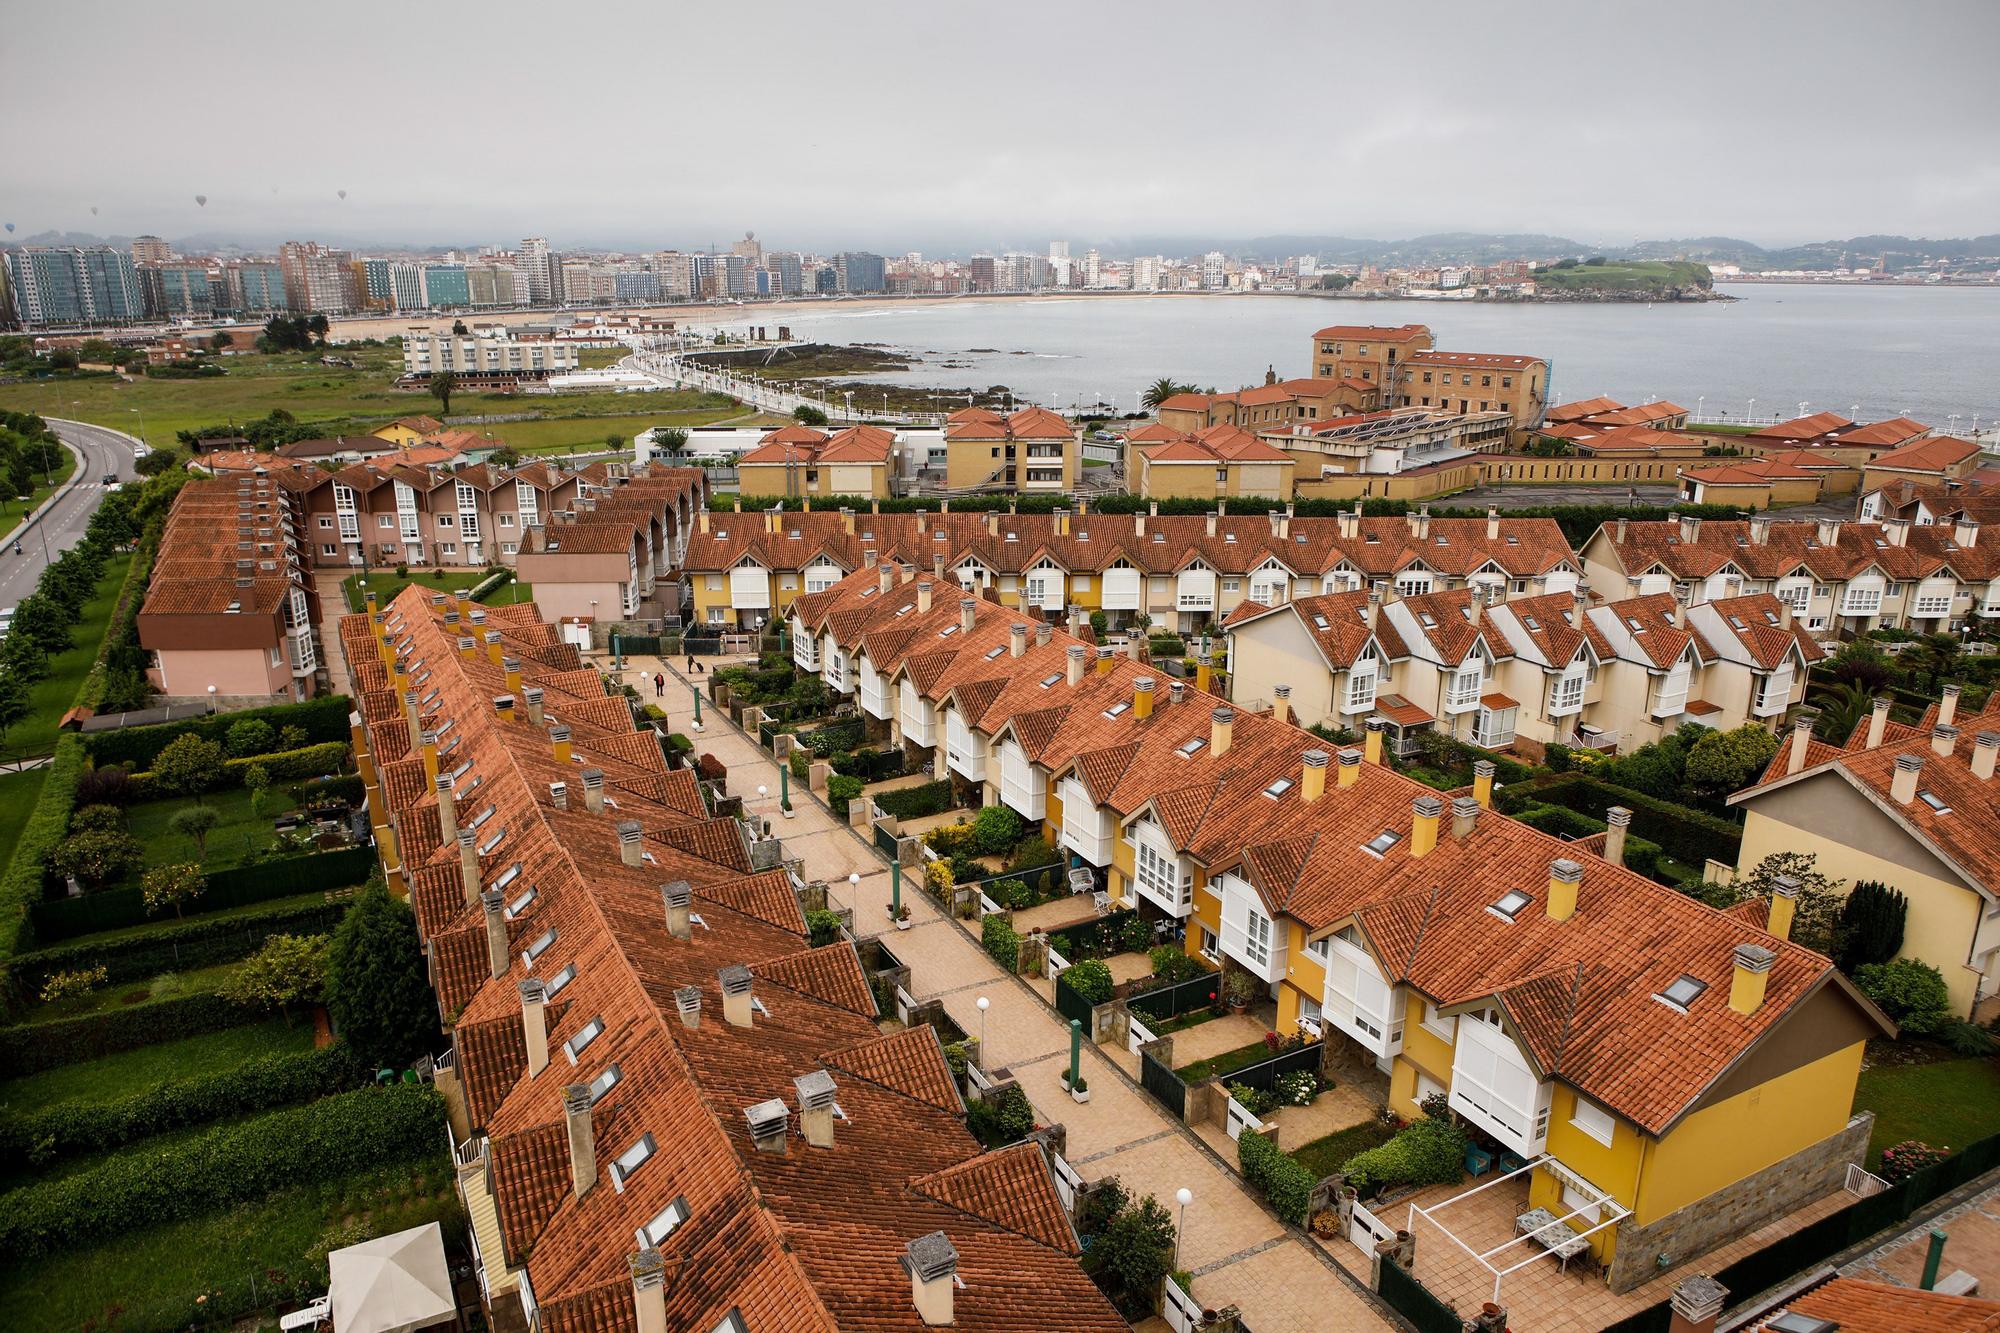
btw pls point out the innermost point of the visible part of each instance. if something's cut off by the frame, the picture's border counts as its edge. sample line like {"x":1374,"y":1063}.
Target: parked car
{"x":140,"y":451}
{"x":110,"y":479}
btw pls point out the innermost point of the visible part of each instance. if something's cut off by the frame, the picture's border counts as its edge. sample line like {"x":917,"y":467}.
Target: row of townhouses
{"x":1679,"y":1073}
{"x":668,"y":1110}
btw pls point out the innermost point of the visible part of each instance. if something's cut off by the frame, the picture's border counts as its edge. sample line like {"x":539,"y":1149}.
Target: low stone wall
{"x":1752,"y":1202}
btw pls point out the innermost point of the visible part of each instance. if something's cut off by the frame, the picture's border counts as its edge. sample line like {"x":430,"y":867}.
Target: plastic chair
{"x":1477,"y":1160}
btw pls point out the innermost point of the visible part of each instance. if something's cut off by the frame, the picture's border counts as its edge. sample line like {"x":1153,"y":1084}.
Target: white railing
{"x":906,"y":1004}
{"x":1862,"y":1183}
{"x":1241,"y":1119}
{"x":1057,"y":965}
{"x":1182,"y":1311}
{"x":1364,"y":1229}
{"x":1068,"y":1183}
{"x":1137,"y":1035}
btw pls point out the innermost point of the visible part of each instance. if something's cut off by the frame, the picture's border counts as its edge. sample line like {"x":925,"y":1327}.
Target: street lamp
{"x":211,"y":701}
{"x":983,"y":1004}
{"x":1182,"y":1196}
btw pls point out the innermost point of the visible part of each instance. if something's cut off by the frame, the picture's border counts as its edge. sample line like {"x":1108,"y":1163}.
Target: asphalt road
{"x":63,"y":525}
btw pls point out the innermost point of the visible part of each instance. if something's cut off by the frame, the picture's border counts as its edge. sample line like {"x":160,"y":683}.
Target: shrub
{"x":1910,"y":992}
{"x":1279,"y":1178}
{"x":30,"y":1048}
{"x":316,"y":720}
{"x":104,"y":786}
{"x":1424,"y":1152}
{"x":1905,"y":1159}
{"x":822,"y":928}
{"x":1031,"y":853}
{"x":97,"y":819}
{"x":995,"y":830}
{"x":1968,"y":1038}
{"x":257,"y":1085}
{"x":1013,"y":893}
{"x":82,"y":981}
{"x":322,"y":1141}
{"x":841,"y":791}
{"x":1135,"y":934}
{"x":1256,"y":1101}
{"x":181,"y":946}
{"x":1297,"y":1088}
{"x":251,"y":736}
{"x":932,"y":798}
{"x":97,"y":857}
{"x":1133,"y":1253}
{"x":1092,"y":980}
{"x":1001,"y":942}
{"x":172,"y":886}
{"x":1003,"y":1120}
{"x":289,"y":970}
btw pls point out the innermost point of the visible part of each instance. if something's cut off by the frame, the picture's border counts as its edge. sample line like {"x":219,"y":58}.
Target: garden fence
{"x":1182,"y":997}
{"x":242,"y":886}
{"x":1264,"y":1074}
{"x":1071,"y":1004}
{"x":1413,"y":1300}
{"x":1156,"y":1077}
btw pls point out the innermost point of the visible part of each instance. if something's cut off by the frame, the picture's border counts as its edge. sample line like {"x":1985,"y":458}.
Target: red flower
{"x":1211,"y":995}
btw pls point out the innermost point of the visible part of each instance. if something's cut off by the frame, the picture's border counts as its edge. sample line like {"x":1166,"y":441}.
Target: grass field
{"x":1947,"y":1103}
{"x":132,"y":1071}
{"x":386,"y":584}
{"x":236,"y":839}
{"x":1324,"y":1156}
{"x":18,"y":794}
{"x":165,"y":986}
{"x":151,"y":1277}
{"x":363,"y":395}
{"x":14,"y":513}
{"x":55,"y":694}
{"x":1637,"y":276}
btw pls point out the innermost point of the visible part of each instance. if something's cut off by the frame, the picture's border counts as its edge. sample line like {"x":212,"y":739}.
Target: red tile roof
{"x":1855,"y":1306}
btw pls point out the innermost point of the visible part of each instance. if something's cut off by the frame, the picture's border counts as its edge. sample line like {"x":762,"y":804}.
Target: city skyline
{"x":1108,"y":155}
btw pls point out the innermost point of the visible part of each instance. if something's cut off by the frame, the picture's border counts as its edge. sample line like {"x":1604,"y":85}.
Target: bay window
{"x":1360,"y":695}
{"x":1774,"y":692}
{"x":1566,"y":691}
{"x":1492,"y":1086}
{"x":1671,"y":698}
{"x":1462,"y":694}
{"x":1359,"y":1001}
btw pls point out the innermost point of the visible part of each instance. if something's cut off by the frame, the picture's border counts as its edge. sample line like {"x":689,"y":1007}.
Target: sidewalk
{"x":1238,"y":1252}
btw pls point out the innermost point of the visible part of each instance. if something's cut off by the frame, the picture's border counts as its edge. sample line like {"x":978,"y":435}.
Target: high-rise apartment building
{"x":177,"y":291}
{"x":493,"y":284}
{"x":861,"y":271}
{"x":1059,"y":262}
{"x":1214,"y":270}
{"x":749,"y":248}
{"x":251,"y":287}
{"x":542,"y":274}
{"x":319,"y":279}
{"x":670,"y":267}
{"x":789,"y":274}
{"x":445,"y":286}
{"x":641,"y":286}
{"x":150,"y":250}
{"x":1093,"y":268}
{"x":736,"y":276}
{"x":54,"y":287}
{"x":983,"y":272}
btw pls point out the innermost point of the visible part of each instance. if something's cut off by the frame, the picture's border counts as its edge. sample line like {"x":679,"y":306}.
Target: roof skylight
{"x":1510,"y":904}
{"x":1684,"y":992}
{"x":1382,"y":842}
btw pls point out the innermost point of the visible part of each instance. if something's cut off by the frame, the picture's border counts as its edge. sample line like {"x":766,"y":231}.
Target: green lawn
{"x":1324,"y":1156}
{"x":238,"y":838}
{"x":133,"y":1071}
{"x":1636,"y":276}
{"x":150,"y":1277}
{"x":18,"y":794}
{"x":165,"y":986}
{"x":14,"y":512}
{"x":1226,"y":1063}
{"x":386,"y":584}
{"x":55,"y":694}
{"x":1946,"y":1103}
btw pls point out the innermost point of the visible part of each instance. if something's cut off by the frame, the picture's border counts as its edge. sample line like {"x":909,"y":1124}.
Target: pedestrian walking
{"x":659,"y":684}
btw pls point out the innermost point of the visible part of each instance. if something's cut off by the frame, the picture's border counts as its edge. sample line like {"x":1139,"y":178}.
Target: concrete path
{"x":1238,"y":1251}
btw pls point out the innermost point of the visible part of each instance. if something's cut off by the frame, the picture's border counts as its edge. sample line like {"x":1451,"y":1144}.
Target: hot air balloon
{"x":10,"y":226}
{"x":341,"y":193}
{"x":201,"y":199}
{"x":93,"y":210}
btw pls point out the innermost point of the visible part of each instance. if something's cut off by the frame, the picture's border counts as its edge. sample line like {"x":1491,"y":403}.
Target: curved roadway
{"x":62,"y":525}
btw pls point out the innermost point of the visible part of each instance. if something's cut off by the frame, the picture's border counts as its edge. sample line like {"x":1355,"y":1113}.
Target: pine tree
{"x":1871,"y":925}
{"x":377,"y":991}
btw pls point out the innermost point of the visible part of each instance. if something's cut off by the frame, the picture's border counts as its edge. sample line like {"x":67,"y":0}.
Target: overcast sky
{"x":948,"y":126}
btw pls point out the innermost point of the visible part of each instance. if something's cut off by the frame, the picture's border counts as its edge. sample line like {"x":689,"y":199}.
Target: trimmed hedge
{"x":283,"y":765}
{"x":325,"y":1140}
{"x":870,"y":765}
{"x":268,"y":1081}
{"x":1280,"y":1179}
{"x":1682,"y":832}
{"x":1640,"y":854}
{"x":323,"y":719}
{"x":241,"y":886}
{"x":932,"y":798}
{"x":22,"y":884}
{"x":30,"y":1048}
{"x":179,"y":947}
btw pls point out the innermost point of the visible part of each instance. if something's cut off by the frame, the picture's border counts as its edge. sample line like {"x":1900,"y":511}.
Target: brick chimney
{"x":1903,"y":788}
{"x":535,"y":1024}
{"x":496,"y":933}
{"x":1948,"y":706}
{"x":512,"y":668}
{"x":1074,"y":664}
{"x":932,"y":1263}
{"x":1142,"y":697}
{"x":559,"y":795}
{"x":1372,"y":742}
{"x":468,"y":864}
{"x":816,"y":1092}
{"x":582,"y":1142}
{"x":736,"y":1008}
{"x":493,"y":653}
{"x":427,"y":745}
{"x":1617,"y":820}
{"x":531,"y":695}
{"x":1464,"y":817}
{"x":770,"y":1126}
{"x":649,"y":1291}
{"x":923,"y":596}
{"x":1944,"y":739}
{"x":1043,"y":633}
{"x":629,"y":834}
{"x":503,"y":707}
{"x":1747,"y":981}
{"x":1565,"y":880}
{"x":1017,"y":640}
{"x":447,"y":809}
{"x":1312,"y":774}
{"x":593,"y":790}
{"x":679,"y":899}
{"x":687,"y":1001}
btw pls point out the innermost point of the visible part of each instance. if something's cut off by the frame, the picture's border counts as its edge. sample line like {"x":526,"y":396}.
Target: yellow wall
{"x":1943,"y":917}
{"x":1614,"y":1169}
{"x":1304,"y":978}
{"x":1422,"y":1049}
{"x":402,"y":436}
{"x":1719,"y":1145}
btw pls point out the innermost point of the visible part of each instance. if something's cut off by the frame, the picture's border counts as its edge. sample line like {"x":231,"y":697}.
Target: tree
{"x":1871,"y":925}
{"x":221,"y":341}
{"x":13,"y":701}
{"x":458,"y":328}
{"x":289,"y":970}
{"x":1862,"y":662}
{"x":173,"y":886}
{"x":1910,"y":992}
{"x":614,"y":442}
{"x":1816,"y":919}
{"x":505,"y":456}
{"x":319,"y":326}
{"x":671,"y":439}
{"x":995,"y":829}
{"x":1162,"y":389}
{"x":250,"y":735}
{"x":1935,"y":655}
{"x":195,"y":823}
{"x":97,"y":818}
{"x":442,"y":386}
{"x":257,"y":781}
{"x":1135,"y":1250}
{"x":377,"y":987}
{"x":189,"y":766}
{"x":153,"y":464}
{"x":1725,"y":761}
{"x":99,"y":857}
{"x":43,"y":622}
{"x":1842,"y":710}
{"x":807,"y":415}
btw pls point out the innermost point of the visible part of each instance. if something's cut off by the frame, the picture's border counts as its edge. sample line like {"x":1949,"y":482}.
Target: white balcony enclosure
{"x":805,"y":650}
{"x":1196,"y":590}
{"x":1670,"y":699}
{"x":750,"y":588}
{"x":1023,"y":787}
{"x":1359,"y":1002}
{"x":838,"y":678}
{"x":1087,"y":828}
{"x":919,"y":717}
{"x":1774,"y":692}
{"x":1160,"y":874}
{"x":874,"y":690}
{"x":1121,"y":590}
{"x":1248,"y":933}
{"x":964,"y":748}
{"x":1492,"y":1085}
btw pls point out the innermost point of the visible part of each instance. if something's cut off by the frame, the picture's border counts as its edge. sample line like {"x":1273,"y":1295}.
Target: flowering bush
{"x":80,"y":982}
{"x":1907,"y":1158}
{"x":1254,"y":1100}
{"x":1298,"y":1088}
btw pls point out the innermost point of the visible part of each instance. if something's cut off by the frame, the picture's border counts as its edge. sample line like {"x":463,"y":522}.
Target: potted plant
{"x":1238,"y":987}
{"x":1079,"y":1091}
{"x":901,"y":916}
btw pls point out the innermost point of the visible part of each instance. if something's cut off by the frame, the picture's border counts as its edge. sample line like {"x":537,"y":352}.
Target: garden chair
{"x":1511,"y":1162}
{"x":1101,"y":901}
{"x":1477,"y":1160}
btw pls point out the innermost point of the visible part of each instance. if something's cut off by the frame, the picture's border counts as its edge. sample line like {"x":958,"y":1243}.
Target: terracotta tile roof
{"x":1934,"y":455}
{"x":1775,"y":548}
{"x":1474,"y":360}
{"x":1878,"y":1307}
{"x":1010,"y":1186}
{"x":910,"y":1062}
{"x":1401,"y":711}
{"x":1375,"y":333}
{"x":1645,"y":414}
{"x":1819,"y":425}
{"x":1894,"y":431}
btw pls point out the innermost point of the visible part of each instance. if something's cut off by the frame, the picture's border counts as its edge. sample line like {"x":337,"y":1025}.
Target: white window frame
{"x":1593,"y":1121}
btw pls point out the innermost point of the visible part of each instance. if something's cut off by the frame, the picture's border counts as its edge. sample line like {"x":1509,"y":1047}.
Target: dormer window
{"x":590,"y":1032}
{"x":604,"y":1083}
{"x":1684,"y":992}
{"x":631,"y":1160}
{"x":657,"y":1230}
{"x":1510,"y":904}
{"x":539,"y":946}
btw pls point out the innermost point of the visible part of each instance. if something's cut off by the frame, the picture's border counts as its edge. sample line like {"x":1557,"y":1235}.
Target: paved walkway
{"x":1239,"y":1252}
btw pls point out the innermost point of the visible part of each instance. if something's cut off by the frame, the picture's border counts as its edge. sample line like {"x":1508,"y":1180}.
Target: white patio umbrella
{"x":392,"y":1284}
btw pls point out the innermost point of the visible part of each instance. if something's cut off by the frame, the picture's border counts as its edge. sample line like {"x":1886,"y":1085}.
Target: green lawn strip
{"x":18,"y":792}
{"x":1324,"y":1156}
{"x":269,"y":907}
{"x":386,"y":584}
{"x":1227,"y":1062}
{"x":55,"y":694}
{"x":1946,"y":1103}
{"x":41,"y":493}
{"x":133,"y":1071}
{"x":152,"y":1277}
{"x":1179,"y":1022}
{"x":166,"y":986}
{"x":238,"y":838}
